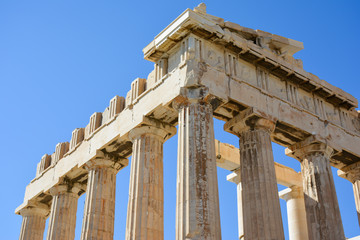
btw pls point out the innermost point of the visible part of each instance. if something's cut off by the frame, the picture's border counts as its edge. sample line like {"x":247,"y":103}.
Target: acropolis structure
{"x":206,"y":68}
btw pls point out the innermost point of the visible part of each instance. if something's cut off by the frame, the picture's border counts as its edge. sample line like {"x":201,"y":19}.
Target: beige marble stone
{"x":99,"y":210}
{"x":145,"y":215}
{"x":322,"y":209}
{"x":296,"y":213}
{"x":77,"y":137}
{"x":60,"y":150}
{"x":352,"y":173}
{"x":95,"y":122}
{"x":33,"y":223}
{"x":197,"y":204}
{"x":262,"y":215}
{"x":243,"y":70}
{"x":62,"y":220}
{"x":235,"y":178}
{"x":356,"y":188}
{"x":228,"y":157}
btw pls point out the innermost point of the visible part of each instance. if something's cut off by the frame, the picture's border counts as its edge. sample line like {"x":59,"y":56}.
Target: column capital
{"x":195,"y":95}
{"x":106,"y":160}
{"x":250,"y":119}
{"x":350,"y":172}
{"x":68,"y":187}
{"x":311,"y":145}
{"x":35,"y":209}
{"x":291,"y":193}
{"x":234,"y":176}
{"x":153,"y":127}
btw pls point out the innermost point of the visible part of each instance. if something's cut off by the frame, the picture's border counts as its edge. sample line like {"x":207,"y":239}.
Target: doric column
{"x":62,"y":219}
{"x":197,"y":203}
{"x":352,"y":173}
{"x":322,"y":209}
{"x":262,"y":215}
{"x":99,"y":210}
{"x":296,"y":212}
{"x":235,"y":178}
{"x":145,"y":216}
{"x":33,"y":223}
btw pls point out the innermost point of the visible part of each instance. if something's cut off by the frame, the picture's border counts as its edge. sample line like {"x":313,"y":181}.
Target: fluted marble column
{"x":356,"y":187}
{"x":352,"y":173}
{"x":322,"y":208}
{"x":145,"y":216}
{"x":296,"y":212}
{"x":62,"y":219}
{"x":33,"y":223}
{"x":260,"y":200}
{"x":99,"y":210}
{"x":197,"y":205}
{"x":235,"y":178}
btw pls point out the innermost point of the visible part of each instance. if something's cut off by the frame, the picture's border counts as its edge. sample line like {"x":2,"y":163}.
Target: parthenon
{"x":206,"y":68}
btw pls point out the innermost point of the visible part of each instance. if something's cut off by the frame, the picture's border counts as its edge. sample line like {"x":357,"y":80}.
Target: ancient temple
{"x":206,"y":67}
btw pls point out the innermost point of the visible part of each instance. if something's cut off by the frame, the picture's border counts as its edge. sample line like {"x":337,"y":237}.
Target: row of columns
{"x":197,"y":204}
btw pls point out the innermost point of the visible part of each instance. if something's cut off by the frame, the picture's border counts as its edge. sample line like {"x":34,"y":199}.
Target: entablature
{"x":234,"y":64}
{"x":269,"y":51}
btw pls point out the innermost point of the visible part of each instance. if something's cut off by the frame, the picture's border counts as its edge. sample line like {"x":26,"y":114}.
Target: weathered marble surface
{"x":33,"y":223}
{"x":245,"y":71}
{"x":197,"y":203}
{"x":145,"y":215}
{"x":99,"y":210}
{"x":62,"y":220}
{"x":322,"y":208}
{"x":352,"y":173}
{"x":296,"y":212}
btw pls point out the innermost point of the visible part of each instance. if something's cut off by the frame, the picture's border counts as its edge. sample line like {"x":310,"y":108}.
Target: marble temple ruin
{"x":206,"y":67}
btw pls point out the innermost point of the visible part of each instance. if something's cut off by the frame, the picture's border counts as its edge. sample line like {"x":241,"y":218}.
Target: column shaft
{"x":356,"y":187}
{"x":62,"y":219}
{"x":99,"y":210}
{"x":240,"y":212}
{"x":296,"y":212}
{"x":32,"y":227}
{"x":352,"y":174}
{"x":235,"y":178}
{"x":145,"y":217}
{"x":323,"y":214}
{"x":197,"y":206}
{"x":33,"y":223}
{"x":261,"y":212}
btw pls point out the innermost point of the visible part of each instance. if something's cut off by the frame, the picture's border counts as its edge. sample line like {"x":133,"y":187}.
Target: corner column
{"x":99,"y":210}
{"x":296,"y":212}
{"x":235,"y":178}
{"x":62,"y":219}
{"x":262,"y":214}
{"x":197,"y":203}
{"x":145,"y":216}
{"x":322,"y":208}
{"x":33,"y":223}
{"x":352,"y":173}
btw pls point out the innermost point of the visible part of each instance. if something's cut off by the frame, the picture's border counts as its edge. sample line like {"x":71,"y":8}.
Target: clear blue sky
{"x":60,"y":61}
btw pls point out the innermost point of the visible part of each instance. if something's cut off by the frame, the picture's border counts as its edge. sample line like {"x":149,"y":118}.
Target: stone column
{"x":322,"y":209}
{"x":62,"y":219}
{"x":99,"y":210}
{"x":197,"y":203}
{"x":352,"y":173}
{"x":235,"y":178}
{"x":33,"y":223}
{"x":356,"y":187}
{"x":262,"y":214}
{"x":145,"y":216}
{"x":296,"y":212}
